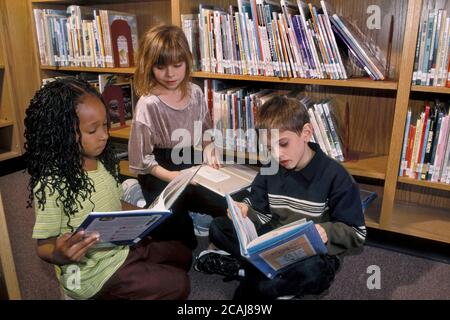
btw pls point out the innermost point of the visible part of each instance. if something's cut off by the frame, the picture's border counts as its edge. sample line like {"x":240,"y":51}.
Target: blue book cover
{"x":275,"y":251}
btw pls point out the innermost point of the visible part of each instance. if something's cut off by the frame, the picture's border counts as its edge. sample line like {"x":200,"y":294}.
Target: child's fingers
{"x":78,"y":250}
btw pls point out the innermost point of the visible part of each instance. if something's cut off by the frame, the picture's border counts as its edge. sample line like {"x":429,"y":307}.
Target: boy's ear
{"x":307,"y":131}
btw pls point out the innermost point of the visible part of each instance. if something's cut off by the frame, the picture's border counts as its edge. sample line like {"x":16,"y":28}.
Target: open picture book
{"x":131,"y":226}
{"x":228,"y":179}
{"x":275,"y":251}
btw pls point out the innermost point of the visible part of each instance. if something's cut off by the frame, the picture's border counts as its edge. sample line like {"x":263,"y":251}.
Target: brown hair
{"x":161,"y":45}
{"x":282,"y":113}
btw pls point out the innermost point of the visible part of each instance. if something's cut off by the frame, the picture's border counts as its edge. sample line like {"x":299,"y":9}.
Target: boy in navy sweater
{"x":308,"y":185}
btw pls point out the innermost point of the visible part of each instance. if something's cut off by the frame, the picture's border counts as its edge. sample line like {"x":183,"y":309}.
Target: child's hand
{"x":173,"y":174}
{"x":243,"y":207}
{"x":211,"y":157}
{"x":322,"y":233}
{"x":70,"y":248}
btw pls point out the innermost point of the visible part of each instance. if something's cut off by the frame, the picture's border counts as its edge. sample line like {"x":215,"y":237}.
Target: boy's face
{"x":291,"y":149}
{"x":171,"y":76}
{"x":93,"y":126}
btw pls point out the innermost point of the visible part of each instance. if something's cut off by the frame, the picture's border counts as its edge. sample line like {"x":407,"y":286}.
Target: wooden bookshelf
{"x":90,"y":69}
{"x":378,"y":108}
{"x":124,"y":169}
{"x":6,"y":123}
{"x":10,"y":138}
{"x":122,"y":133}
{"x":374,"y":167}
{"x":353,"y":83}
{"x":439,"y":90}
{"x":425,"y":184}
{"x":421,"y":221}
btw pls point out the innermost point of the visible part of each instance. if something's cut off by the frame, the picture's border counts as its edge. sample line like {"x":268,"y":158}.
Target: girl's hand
{"x":243,"y":207}
{"x":173,"y":174}
{"x":210,"y":156}
{"x":322,"y":233}
{"x":70,"y":248}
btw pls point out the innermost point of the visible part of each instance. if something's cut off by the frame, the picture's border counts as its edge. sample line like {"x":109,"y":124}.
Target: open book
{"x":275,"y":251}
{"x":131,"y":226}
{"x":228,"y":179}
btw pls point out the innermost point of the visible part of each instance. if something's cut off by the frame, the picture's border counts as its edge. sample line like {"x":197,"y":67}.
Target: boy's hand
{"x":322,"y":233}
{"x":210,"y":156}
{"x":70,"y":248}
{"x":243,"y":207}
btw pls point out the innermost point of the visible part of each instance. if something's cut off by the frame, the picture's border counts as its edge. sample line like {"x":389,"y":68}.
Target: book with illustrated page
{"x":275,"y":251}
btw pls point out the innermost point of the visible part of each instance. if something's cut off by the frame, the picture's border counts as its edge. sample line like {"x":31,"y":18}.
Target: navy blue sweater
{"x":323,"y":191}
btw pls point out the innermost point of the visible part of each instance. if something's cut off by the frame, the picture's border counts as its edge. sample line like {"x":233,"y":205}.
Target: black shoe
{"x":218,"y":262}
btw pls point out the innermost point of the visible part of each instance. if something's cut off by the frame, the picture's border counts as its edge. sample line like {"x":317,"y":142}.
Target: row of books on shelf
{"x":86,"y":37}
{"x":426,"y":145}
{"x":432,"y":61}
{"x":234,"y":110}
{"x":279,"y":38}
{"x":117,"y":93}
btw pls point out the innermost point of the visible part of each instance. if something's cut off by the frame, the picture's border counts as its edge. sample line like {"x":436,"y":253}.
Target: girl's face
{"x":93,"y":126}
{"x":171,"y":76}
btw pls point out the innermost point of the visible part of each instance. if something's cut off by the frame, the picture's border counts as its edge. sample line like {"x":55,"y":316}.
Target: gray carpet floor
{"x":403,"y":276}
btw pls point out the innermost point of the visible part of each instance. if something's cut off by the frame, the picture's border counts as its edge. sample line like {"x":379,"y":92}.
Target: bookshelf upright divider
{"x":401,"y":107}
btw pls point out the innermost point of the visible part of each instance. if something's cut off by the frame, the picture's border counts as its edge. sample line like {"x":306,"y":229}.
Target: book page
{"x":213,"y":175}
{"x":122,"y":228}
{"x":226,"y":180}
{"x":245,"y":229}
{"x":278,"y":232}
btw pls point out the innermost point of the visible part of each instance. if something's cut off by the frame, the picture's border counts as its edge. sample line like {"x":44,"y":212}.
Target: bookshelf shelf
{"x":90,"y":69}
{"x":6,"y":123}
{"x":88,"y":2}
{"x":374,"y":167}
{"x":123,"y":169}
{"x":421,"y":221}
{"x":442,"y":90}
{"x":353,"y":83}
{"x":426,"y":184}
{"x":8,"y":154}
{"x":122,"y":133}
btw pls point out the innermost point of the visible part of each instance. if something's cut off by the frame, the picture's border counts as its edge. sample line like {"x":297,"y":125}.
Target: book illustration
{"x":118,"y":98}
{"x":122,"y":44}
{"x":276,"y":250}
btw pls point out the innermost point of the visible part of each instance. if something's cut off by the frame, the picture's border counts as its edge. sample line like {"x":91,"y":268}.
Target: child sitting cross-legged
{"x":308,"y":185}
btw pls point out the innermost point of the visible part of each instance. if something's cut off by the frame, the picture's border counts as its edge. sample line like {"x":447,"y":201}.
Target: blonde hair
{"x":161,"y":45}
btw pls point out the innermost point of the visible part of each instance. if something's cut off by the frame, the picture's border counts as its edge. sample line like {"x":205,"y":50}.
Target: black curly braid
{"x":52,"y":149}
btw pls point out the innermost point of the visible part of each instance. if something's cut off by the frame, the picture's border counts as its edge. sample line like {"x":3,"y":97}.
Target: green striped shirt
{"x":84,"y":279}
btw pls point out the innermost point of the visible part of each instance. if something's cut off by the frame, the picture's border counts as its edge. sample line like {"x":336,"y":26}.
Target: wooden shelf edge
{"x":5,"y":155}
{"x":122,"y":133}
{"x":91,"y":69}
{"x":353,"y":83}
{"x":420,"y":221}
{"x":124,"y":169}
{"x":425,"y":184}
{"x":373,"y":167}
{"x":6,"y":123}
{"x":443,"y":90}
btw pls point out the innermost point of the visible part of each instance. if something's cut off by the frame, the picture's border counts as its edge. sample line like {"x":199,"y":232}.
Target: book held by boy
{"x":131,"y":226}
{"x":275,"y":251}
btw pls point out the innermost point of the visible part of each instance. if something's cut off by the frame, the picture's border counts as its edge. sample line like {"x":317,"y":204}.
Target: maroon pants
{"x":152,"y":270}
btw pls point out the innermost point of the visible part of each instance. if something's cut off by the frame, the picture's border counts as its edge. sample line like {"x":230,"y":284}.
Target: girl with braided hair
{"x":73,"y":171}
